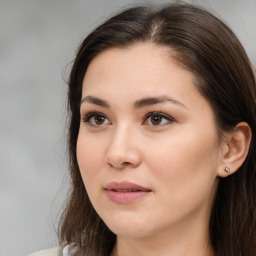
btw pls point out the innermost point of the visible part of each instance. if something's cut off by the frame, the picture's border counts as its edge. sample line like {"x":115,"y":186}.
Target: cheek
{"x":90,"y":158}
{"x":185,"y":164}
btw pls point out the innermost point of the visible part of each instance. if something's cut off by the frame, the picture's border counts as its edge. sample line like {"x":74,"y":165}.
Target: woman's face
{"x":147,"y":148}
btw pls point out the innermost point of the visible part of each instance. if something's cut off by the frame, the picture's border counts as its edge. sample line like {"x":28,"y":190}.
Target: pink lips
{"x":125,"y":192}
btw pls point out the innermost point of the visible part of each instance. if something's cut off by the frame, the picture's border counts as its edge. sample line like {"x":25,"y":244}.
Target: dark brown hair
{"x":224,"y":75}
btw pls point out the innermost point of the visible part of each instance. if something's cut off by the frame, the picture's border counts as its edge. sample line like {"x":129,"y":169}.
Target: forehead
{"x":143,"y":66}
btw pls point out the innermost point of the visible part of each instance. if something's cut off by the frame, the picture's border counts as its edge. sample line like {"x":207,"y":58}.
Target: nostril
{"x":111,"y":165}
{"x":122,"y":157}
{"x":119,"y":166}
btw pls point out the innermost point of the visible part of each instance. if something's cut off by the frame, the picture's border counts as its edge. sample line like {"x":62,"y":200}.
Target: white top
{"x":52,"y":252}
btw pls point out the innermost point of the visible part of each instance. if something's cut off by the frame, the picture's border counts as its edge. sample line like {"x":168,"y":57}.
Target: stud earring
{"x":227,"y":169}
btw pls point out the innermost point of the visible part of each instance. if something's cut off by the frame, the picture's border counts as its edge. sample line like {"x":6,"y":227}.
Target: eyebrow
{"x":149,"y":101}
{"x":155,"y":100}
{"x":95,"y":101}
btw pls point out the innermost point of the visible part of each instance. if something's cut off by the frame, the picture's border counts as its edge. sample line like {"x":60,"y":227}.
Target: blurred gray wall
{"x":38,"y":39}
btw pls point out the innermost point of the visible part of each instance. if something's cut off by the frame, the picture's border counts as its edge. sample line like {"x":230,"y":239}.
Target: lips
{"x":125,"y":192}
{"x":125,"y":186}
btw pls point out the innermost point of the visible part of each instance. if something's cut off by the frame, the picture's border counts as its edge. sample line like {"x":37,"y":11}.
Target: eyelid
{"x":158,"y":113}
{"x":86,"y":118}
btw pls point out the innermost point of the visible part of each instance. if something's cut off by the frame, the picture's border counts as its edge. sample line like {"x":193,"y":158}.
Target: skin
{"x":177,"y":158}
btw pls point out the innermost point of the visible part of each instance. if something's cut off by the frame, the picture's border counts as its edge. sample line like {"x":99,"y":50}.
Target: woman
{"x":161,"y":138}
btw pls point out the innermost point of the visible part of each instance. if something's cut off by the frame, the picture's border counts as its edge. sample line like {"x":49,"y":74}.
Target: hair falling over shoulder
{"x":207,"y":47}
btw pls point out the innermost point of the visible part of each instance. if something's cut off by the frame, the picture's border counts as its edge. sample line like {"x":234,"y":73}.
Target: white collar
{"x":66,"y":251}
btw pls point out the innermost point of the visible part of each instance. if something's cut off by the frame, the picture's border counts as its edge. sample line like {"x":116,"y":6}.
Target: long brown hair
{"x":225,"y":77}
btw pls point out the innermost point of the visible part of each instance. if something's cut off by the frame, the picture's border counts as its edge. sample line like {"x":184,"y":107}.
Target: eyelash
{"x":87,"y":118}
{"x":158,"y":114}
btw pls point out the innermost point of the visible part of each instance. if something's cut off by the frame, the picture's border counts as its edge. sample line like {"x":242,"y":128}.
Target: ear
{"x":235,"y":149}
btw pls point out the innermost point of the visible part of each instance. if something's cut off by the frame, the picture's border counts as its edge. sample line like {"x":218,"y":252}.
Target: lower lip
{"x":125,"y":197}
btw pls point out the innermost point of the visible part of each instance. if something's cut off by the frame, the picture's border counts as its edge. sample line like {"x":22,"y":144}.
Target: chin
{"x":130,"y":233}
{"x":130,"y":229}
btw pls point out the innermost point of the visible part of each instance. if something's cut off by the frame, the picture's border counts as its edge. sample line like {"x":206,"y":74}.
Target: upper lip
{"x":125,"y":186}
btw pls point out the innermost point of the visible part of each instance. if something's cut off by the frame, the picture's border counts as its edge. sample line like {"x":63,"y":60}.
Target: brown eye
{"x":96,"y":119}
{"x":156,"y":120}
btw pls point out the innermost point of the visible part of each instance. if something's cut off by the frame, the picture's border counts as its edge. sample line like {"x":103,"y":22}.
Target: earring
{"x":227,"y":169}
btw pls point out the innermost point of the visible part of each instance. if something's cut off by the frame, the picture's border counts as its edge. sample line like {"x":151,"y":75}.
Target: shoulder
{"x":47,"y":252}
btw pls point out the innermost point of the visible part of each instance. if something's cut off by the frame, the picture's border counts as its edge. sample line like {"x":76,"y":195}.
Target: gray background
{"x":38,"y":39}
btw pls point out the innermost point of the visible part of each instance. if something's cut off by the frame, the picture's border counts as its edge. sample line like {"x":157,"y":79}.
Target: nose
{"x":123,"y":151}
